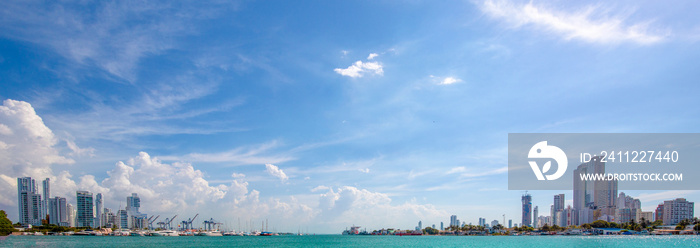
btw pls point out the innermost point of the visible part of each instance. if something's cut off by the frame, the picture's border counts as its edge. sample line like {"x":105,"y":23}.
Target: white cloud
{"x":238,"y":175}
{"x":319,"y":188}
{"x":365,"y":170}
{"x":104,"y":34}
{"x":349,"y":205}
{"x":246,"y":155}
{"x":590,"y":24}
{"x":359,"y":69}
{"x":450,"y":80}
{"x":372,"y":56}
{"x":79,"y":152}
{"x":276,"y":172}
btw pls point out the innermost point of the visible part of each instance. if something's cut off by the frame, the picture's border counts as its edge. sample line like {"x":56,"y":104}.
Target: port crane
{"x":187,"y":224}
{"x":151,"y":220}
{"x":166,"y":224}
{"x":211,"y":224}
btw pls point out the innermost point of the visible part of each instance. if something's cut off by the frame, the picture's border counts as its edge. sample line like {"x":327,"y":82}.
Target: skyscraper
{"x":592,"y":198}
{"x":85,"y":214}
{"x":535,"y":214}
{"x":559,"y":201}
{"x":454,"y":221}
{"x":98,"y":210}
{"x":29,"y":202}
{"x":71,"y":215}
{"x":58,"y":211}
{"x":135,"y":218}
{"x":47,"y":195}
{"x":527,"y":210}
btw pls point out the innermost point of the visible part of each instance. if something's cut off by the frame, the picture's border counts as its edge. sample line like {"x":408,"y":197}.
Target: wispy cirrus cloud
{"x":591,"y":24}
{"x":246,"y":155}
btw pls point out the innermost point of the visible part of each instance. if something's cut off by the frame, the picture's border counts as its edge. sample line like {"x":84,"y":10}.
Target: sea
{"x":354,"y":241}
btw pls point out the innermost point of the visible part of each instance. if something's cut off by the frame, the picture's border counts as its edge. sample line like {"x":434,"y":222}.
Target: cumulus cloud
{"x":359,"y":68}
{"x":347,"y":205}
{"x":27,"y":148}
{"x":276,"y":172}
{"x":589,"y":25}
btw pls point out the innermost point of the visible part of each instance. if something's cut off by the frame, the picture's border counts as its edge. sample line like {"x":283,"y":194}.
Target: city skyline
{"x":324,"y":114}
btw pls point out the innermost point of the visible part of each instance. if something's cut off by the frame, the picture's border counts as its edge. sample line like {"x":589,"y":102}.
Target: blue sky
{"x":324,"y":114}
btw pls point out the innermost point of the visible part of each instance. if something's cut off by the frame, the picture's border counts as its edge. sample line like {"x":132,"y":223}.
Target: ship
{"x":354,"y":230}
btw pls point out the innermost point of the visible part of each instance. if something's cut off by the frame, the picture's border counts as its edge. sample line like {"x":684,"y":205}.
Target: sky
{"x":319,"y":115}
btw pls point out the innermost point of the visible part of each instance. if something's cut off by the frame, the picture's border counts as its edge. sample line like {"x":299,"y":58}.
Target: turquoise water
{"x":354,"y":241}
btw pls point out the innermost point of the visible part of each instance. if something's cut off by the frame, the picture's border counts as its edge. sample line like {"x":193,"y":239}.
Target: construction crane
{"x":151,"y":220}
{"x":211,"y":224}
{"x":187,"y":224}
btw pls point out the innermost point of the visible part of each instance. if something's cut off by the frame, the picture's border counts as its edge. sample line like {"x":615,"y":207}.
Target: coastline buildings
{"x":46,"y":195}
{"x":58,"y":211}
{"x":85,"y":216}
{"x":135,"y":219}
{"x":557,"y":208}
{"x":454,"y":221}
{"x":29,"y":202}
{"x":676,"y":210}
{"x":527,"y":210}
{"x":71,"y":215}
{"x":593,"y":200}
{"x":535,"y":213}
{"x":98,"y":210}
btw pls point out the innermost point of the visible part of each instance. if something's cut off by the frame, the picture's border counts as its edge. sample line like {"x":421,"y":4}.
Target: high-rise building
{"x":454,"y":221}
{"x":71,"y":215}
{"x":123,"y":219}
{"x":46,"y":195}
{"x":494,"y":223}
{"x":85,"y":206}
{"x":442,"y":226}
{"x":535,"y":214}
{"x":58,"y":211}
{"x":677,"y":210}
{"x":420,"y":225}
{"x":510,"y":223}
{"x":98,"y":210}
{"x":559,"y":201}
{"x":659,"y":213}
{"x":135,"y":218}
{"x":592,"y":199}
{"x":527,"y":210}
{"x":29,"y":202}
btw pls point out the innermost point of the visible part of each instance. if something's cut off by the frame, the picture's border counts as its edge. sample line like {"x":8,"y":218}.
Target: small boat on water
{"x":137,"y":233}
{"x":210,"y":233}
{"x":86,"y":232}
{"x":165,"y":233}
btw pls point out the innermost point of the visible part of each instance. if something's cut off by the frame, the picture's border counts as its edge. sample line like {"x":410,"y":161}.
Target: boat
{"x":210,"y":233}
{"x":354,"y":230}
{"x":137,"y":233}
{"x":165,"y":233}
{"x":232,"y":233}
{"x":267,"y":234}
{"x":86,"y":232}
